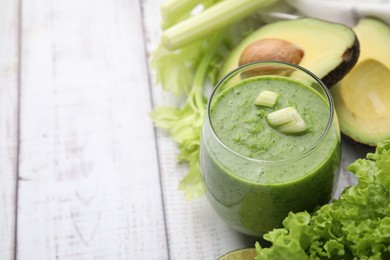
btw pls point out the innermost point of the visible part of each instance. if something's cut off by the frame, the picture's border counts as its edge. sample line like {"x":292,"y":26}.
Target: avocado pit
{"x":271,"y":49}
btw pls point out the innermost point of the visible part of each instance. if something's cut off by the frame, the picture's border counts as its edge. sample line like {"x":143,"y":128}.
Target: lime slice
{"x":241,"y":254}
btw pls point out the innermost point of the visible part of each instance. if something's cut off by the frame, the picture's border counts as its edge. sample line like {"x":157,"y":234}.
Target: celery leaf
{"x":187,"y":72}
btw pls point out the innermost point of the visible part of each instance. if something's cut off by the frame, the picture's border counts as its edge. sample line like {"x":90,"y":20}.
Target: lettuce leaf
{"x":355,"y":226}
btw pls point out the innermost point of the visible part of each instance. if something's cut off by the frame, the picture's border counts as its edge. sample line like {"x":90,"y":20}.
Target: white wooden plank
{"x":194,"y":230}
{"x":9,"y":25}
{"x":89,"y":184}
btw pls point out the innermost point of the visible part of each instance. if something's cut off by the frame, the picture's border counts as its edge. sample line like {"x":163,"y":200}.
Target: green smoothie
{"x":255,"y":174}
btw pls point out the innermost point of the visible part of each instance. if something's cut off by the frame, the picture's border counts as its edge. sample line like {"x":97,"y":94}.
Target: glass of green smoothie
{"x":270,"y":145}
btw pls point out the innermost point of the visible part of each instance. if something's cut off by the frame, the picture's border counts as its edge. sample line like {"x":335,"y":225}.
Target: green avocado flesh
{"x":330,"y":49}
{"x":362,"y":98}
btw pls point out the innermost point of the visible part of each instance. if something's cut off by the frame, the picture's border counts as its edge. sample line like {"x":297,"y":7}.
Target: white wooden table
{"x":83,"y":172}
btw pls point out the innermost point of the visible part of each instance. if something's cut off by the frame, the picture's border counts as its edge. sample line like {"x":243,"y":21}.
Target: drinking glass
{"x":254,"y":195}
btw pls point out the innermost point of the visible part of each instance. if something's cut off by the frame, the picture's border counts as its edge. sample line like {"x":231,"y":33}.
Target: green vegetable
{"x":282,"y":116}
{"x":287,"y":121}
{"x":210,"y":21}
{"x":355,"y":226}
{"x":185,"y":124}
{"x":294,"y":127}
{"x":187,"y":72}
{"x":266,"y":98}
{"x":173,"y":11}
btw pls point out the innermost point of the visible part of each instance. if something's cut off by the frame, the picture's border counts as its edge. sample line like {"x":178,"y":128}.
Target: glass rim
{"x":277,"y":63}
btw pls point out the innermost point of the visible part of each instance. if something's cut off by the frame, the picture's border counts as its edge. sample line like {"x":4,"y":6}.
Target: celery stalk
{"x":287,"y":121}
{"x":293,"y":127}
{"x":282,"y":116}
{"x":209,"y":21}
{"x":173,"y":10}
{"x":266,"y":98}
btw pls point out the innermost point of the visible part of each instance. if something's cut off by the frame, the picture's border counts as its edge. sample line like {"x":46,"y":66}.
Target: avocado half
{"x":362,"y":98}
{"x":330,"y":50}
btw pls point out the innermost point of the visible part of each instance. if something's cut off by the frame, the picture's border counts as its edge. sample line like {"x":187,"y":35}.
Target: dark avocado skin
{"x":357,"y":143}
{"x":350,"y":58}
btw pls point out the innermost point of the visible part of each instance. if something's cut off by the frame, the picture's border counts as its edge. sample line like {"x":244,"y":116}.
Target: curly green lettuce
{"x":355,"y":226}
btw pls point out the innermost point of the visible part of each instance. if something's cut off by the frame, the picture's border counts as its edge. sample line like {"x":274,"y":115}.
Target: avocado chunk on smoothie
{"x":255,"y":173}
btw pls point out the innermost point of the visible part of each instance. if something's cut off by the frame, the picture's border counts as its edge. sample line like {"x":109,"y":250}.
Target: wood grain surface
{"x":89,"y":181}
{"x":9,"y":124}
